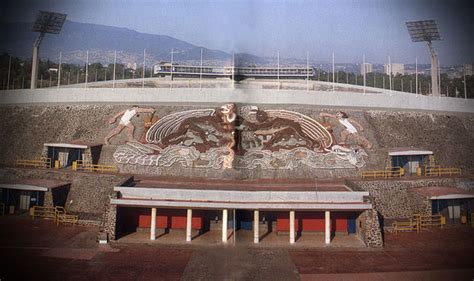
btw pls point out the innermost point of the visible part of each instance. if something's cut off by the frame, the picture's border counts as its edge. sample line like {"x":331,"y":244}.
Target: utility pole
{"x":115,"y":60}
{"x":278,"y":69}
{"x":9,"y":66}
{"x":200,"y":74}
{"x":87,"y":69}
{"x":465,"y":86}
{"x":59,"y":70}
{"x":416,"y":76}
{"x":143,"y":72}
{"x":364,"y":71}
{"x":333,"y":69}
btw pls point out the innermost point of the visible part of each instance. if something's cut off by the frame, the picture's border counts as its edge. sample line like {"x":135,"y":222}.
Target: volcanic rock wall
{"x":26,"y":128}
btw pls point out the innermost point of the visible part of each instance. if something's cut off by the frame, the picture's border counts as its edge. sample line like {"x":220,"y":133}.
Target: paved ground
{"x":38,"y":250}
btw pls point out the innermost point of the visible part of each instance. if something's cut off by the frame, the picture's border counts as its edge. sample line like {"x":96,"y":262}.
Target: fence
{"x":389,"y":172}
{"x":87,"y":166}
{"x":439,"y":171}
{"x":58,"y":214}
{"x":38,"y":163}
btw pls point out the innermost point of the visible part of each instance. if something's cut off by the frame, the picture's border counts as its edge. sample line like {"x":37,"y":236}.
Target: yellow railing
{"x":2,"y":209}
{"x":86,"y":166}
{"x":43,"y":212}
{"x":409,"y":225}
{"x":427,"y":221}
{"x":439,"y":171}
{"x":389,"y":172}
{"x":65,"y":218}
{"x":57,"y":213}
{"x":38,"y":163}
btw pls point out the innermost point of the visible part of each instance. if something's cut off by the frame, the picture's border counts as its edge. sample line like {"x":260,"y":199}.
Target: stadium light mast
{"x":427,"y":31}
{"x":46,"y":22}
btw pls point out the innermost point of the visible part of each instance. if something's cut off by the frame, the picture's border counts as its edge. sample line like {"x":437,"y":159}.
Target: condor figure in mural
{"x":249,"y":138}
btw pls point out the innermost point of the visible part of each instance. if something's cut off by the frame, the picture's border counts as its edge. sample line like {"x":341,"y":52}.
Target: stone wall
{"x":369,"y":229}
{"x":394,"y":198}
{"x":88,"y":193}
{"x":28,"y":127}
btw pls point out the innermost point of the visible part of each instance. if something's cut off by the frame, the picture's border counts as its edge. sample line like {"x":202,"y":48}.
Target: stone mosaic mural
{"x":247,"y":138}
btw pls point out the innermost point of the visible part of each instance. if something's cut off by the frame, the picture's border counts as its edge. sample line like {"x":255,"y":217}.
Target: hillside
{"x":75,"y":38}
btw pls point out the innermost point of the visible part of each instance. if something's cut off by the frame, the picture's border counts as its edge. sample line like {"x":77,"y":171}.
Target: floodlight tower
{"x":427,"y":31}
{"x":46,"y":22}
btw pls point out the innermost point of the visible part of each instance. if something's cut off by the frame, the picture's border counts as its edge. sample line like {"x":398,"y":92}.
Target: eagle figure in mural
{"x":201,"y":128}
{"x":281,"y":129}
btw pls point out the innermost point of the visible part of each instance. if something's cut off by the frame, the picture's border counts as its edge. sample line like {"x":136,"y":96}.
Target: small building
{"x":450,"y":202}
{"x":23,"y":194}
{"x":68,"y":152}
{"x":281,"y":206}
{"x":412,"y":160}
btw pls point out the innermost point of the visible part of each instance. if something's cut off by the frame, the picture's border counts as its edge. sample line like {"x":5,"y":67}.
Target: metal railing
{"x":80,"y":165}
{"x":37,"y":163}
{"x":439,"y":171}
{"x":428,"y":221}
{"x":389,"y":172}
{"x":58,"y":214}
{"x":408,"y":225}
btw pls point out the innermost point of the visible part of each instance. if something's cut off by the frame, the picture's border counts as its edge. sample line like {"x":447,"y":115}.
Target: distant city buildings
{"x":366,"y":68}
{"x":394,"y":68}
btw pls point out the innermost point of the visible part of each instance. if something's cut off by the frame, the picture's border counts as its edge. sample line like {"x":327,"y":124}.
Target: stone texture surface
{"x":449,"y":136}
{"x":393,"y":199}
{"x":29,"y":126}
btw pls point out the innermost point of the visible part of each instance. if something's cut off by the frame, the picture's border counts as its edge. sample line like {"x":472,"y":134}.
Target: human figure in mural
{"x":125,"y":121}
{"x":350,"y":130}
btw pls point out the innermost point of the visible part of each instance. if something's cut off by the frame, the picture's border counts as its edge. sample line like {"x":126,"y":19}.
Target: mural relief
{"x":223,"y":138}
{"x":125,"y":121}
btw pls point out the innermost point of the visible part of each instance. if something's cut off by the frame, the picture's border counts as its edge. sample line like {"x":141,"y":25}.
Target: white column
{"x":153,"y":224}
{"x":224,"y":225}
{"x":327,"y":233}
{"x":189,"y":220}
{"x":292,"y":227}
{"x":256,"y":235}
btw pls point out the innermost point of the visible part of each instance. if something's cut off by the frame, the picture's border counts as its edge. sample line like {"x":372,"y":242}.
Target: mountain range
{"x":101,"y":41}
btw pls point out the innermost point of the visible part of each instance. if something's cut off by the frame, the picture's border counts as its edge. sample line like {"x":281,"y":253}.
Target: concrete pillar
{"x":189,"y":225}
{"x":327,"y":232}
{"x":256,"y":235}
{"x":224,"y":225}
{"x":292,"y":227}
{"x":153,"y":224}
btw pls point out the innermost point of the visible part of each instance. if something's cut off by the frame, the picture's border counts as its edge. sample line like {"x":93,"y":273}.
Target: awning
{"x":441,"y":193}
{"x":237,"y":199}
{"x":33,"y":184}
{"x":72,"y":144}
{"x":409,"y":151}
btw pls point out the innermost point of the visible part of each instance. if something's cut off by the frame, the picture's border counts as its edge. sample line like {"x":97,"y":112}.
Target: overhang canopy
{"x":409,"y":151}
{"x":33,"y":184}
{"x":236,"y":199}
{"x":72,"y":144}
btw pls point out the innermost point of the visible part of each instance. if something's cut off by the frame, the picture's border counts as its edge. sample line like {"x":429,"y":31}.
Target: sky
{"x":349,"y":28}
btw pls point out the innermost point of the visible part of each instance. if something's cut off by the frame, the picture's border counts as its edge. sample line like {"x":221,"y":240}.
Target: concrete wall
{"x":385,"y":99}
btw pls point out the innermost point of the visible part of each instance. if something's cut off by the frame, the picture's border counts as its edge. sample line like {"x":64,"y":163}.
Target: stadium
{"x":258,"y":156}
